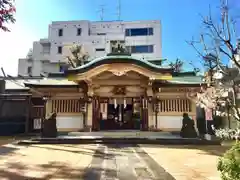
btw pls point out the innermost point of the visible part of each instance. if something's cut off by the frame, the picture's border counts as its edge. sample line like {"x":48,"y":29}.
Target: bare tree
{"x":177,"y":65}
{"x":79,"y":56}
{"x":216,"y":44}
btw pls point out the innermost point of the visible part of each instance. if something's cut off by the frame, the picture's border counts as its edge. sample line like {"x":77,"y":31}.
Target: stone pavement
{"x":45,"y":162}
{"x":187,"y":162}
{"x":104,"y":162}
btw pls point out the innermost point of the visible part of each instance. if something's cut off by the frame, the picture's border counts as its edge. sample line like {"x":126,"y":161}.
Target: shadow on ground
{"x":5,"y":150}
{"x":96,"y":154}
{"x":216,"y":150}
{"x":57,"y":170}
{"x":63,"y":170}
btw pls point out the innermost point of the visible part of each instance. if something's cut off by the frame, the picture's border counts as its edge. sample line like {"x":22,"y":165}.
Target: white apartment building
{"x":141,"y":38}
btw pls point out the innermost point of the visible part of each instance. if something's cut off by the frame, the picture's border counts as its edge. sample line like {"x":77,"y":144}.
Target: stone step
{"x":123,"y":134}
{"x":162,"y":141}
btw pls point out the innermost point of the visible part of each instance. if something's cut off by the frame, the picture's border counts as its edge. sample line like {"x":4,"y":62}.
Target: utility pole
{"x":119,"y":10}
{"x":101,"y":11}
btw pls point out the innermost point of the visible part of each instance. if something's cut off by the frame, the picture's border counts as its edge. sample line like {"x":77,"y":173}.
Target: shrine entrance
{"x":120,"y":114}
{"x":119,"y":93}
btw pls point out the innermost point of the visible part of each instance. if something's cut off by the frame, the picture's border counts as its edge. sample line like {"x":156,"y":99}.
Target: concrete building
{"x":141,"y":38}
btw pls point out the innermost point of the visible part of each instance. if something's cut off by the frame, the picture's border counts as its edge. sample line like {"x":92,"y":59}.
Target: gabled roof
{"x":186,"y":80}
{"x":15,"y":85}
{"x":52,"y":82}
{"x":118,"y":59}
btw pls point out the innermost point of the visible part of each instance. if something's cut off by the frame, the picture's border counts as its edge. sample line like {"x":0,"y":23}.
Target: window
{"x":60,"y":32}
{"x":139,"y":32}
{"x":140,"y":49}
{"x":150,"y":31}
{"x":101,"y":34}
{"x":79,"y":31}
{"x":128,"y":32}
{"x":29,"y":70}
{"x":62,"y":68}
{"x":59,"y":49}
{"x":100,"y":49}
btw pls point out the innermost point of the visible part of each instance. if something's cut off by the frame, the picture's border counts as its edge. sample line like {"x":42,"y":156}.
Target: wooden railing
{"x":67,"y":105}
{"x":174,"y":105}
{"x":37,"y":111}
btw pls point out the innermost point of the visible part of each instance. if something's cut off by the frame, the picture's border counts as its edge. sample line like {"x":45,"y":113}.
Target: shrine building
{"x":117,"y":92}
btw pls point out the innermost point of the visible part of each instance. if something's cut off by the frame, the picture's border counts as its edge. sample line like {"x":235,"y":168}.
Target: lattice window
{"x":37,"y":111}
{"x":67,"y":106}
{"x":174,"y":105}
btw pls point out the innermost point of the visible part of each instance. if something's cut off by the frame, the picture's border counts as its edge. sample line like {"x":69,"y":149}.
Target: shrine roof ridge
{"x":118,"y":59}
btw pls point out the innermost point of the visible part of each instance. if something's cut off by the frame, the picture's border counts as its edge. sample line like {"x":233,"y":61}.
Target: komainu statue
{"x":188,"y":129}
{"x":50,"y":126}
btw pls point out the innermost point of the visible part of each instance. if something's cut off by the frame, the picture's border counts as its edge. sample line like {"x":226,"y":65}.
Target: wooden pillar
{"x":144,"y":113}
{"x":89,"y":114}
{"x":28,"y":110}
{"x":47,"y":110}
{"x":47,"y":107}
{"x":156,"y":110}
{"x":95,"y":113}
{"x":150,"y":122}
{"x":44,"y":114}
{"x":85,"y":115}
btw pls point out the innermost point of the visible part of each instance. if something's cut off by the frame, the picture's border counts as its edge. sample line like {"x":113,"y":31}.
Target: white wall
{"x":73,"y":122}
{"x":169,"y":122}
{"x":23,"y":65}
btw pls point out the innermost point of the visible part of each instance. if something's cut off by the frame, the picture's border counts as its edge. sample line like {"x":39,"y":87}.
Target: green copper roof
{"x":118,"y":59}
{"x":186,"y":80}
{"x":63,"y":82}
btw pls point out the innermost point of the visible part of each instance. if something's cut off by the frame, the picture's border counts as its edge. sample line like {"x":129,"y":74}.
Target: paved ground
{"x":188,"y":162}
{"x":105,"y":162}
{"x":9,"y":139}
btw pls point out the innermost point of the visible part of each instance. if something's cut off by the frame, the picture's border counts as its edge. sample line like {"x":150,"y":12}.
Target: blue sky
{"x":180,"y":21}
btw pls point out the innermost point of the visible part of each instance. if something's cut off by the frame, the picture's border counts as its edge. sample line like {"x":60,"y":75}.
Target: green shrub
{"x":229,"y":164}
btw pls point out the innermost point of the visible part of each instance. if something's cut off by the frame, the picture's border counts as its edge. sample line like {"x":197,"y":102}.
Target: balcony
{"x":45,"y":56}
{"x":44,"y":41}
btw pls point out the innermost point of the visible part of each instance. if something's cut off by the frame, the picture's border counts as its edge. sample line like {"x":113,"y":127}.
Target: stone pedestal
{"x":208,"y":137}
{"x":50,"y":126}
